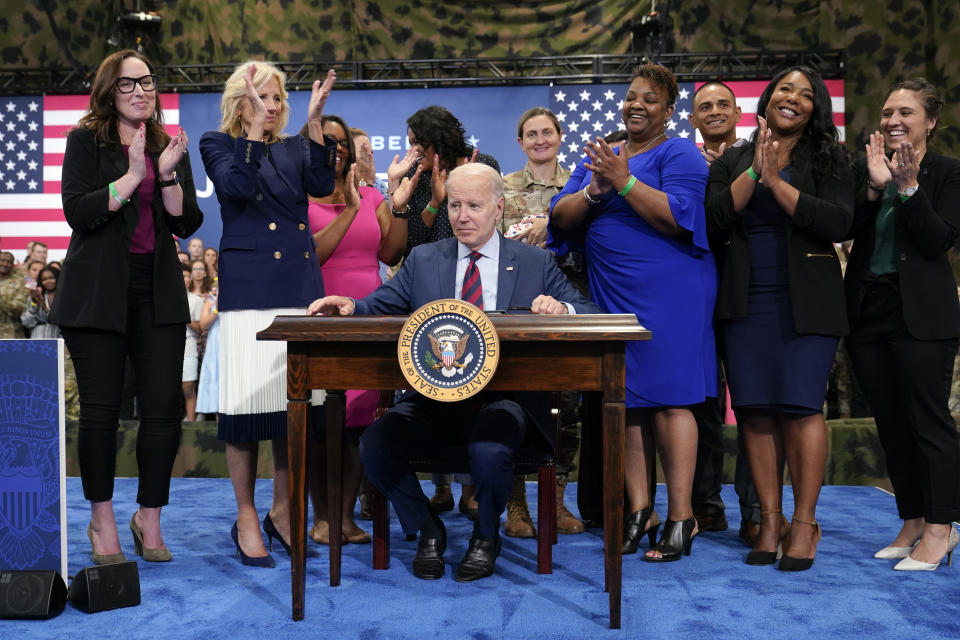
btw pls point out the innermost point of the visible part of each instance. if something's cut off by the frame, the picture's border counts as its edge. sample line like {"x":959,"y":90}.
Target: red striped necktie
{"x":472,"y":291}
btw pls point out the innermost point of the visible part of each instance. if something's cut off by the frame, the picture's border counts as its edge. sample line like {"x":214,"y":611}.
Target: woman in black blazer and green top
{"x":774,"y":209}
{"x":905,"y":318}
{"x":127,"y":186}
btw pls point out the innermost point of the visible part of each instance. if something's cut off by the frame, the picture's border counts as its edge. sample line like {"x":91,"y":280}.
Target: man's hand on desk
{"x":332,"y":306}
{"x":547,"y":305}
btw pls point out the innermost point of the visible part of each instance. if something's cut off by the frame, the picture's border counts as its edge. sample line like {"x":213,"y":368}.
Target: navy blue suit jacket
{"x":268,"y":258}
{"x":525,"y":272}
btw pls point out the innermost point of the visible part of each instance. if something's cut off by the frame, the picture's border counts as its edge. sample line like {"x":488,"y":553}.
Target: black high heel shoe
{"x":265,"y":561}
{"x":271,"y":531}
{"x":677,"y":538}
{"x":788,"y":563}
{"x":634,"y":527}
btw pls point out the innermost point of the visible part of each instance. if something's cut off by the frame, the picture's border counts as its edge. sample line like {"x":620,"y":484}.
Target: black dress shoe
{"x":480,"y":559}
{"x":428,"y":563}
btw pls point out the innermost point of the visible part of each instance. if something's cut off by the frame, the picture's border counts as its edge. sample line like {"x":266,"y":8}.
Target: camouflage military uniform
{"x":524,"y":195}
{"x":13,"y":302}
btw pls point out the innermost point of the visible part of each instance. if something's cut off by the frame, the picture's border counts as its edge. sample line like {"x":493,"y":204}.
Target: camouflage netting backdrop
{"x":884,"y":41}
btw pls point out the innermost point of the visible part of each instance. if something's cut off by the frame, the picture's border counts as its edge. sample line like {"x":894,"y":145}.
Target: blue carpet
{"x":206,"y":593}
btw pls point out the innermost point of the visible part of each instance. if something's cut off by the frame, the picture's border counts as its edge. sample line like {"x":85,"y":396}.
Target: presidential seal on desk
{"x":448,"y":350}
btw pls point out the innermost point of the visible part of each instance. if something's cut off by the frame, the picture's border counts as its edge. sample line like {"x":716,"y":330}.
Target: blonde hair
{"x":235,"y":92}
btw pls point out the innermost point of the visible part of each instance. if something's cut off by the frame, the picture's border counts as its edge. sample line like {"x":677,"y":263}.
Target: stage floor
{"x":206,"y":593}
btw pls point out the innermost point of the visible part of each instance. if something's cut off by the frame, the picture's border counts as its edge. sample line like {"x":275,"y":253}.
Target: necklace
{"x":644,"y":147}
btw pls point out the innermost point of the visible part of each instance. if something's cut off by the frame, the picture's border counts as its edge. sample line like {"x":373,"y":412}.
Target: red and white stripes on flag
{"x":31,"y":208}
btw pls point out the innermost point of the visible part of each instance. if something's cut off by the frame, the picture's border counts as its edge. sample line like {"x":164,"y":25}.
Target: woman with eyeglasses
{"x":353,"y":228}
{"x":268,"y":266}
{"x":127,"y":188}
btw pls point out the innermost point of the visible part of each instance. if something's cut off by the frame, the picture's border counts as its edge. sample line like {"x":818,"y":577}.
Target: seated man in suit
{"x":491,"y":425}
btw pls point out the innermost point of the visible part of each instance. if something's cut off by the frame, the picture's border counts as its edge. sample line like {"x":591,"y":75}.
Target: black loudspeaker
{"x":105,"y":587}
{"x":31,"y":594}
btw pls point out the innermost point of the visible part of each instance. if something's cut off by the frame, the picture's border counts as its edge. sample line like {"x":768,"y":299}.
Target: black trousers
{"x":907,"y":384}
{"x":157,"y":355}
{"x":488,"y":427}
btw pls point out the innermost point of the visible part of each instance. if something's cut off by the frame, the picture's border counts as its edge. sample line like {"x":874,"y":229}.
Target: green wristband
{"x":116,"y":194}
{"x":626,"y":188}
{"x":753,"y":174}
{"x":433,"y":210}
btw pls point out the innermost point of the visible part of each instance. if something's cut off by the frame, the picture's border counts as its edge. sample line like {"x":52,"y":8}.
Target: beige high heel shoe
{"x":909,"y":564}
{"x":103,"y":558}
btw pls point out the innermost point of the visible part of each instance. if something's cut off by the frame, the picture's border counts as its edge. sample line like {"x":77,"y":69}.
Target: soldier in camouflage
{"x":13,"y":298}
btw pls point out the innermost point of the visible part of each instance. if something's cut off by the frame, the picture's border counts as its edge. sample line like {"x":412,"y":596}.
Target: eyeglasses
{"x":126,"y":85}
{"x":344,"y":144}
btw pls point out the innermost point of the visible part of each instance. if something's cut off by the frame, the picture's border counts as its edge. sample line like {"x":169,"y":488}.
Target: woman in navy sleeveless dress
{"x":774,"y":208}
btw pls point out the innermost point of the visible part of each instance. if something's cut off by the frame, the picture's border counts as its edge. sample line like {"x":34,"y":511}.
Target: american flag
{"x":33,"y":136}
{"x":588,"y":111}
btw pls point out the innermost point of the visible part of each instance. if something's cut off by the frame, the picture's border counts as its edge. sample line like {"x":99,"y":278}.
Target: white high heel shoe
{"x":909,"y":564}
{"x":893,"y":553}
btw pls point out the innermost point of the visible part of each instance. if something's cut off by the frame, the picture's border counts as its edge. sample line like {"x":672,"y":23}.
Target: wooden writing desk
{"x":548,"y":353}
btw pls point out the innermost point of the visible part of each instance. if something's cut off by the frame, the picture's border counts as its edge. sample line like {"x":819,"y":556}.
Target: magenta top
{"x":143,"y":236}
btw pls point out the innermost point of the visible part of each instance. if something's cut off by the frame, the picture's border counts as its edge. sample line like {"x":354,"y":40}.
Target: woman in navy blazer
{"x":905,"y":318}
{"x":268,"y":266}
{"x":126,"y":186}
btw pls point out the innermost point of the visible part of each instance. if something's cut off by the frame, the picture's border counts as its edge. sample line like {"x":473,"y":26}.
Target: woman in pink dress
{"x":354,"y":229}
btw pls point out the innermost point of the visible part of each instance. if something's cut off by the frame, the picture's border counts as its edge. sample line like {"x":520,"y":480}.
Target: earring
{"x":929,"y":132}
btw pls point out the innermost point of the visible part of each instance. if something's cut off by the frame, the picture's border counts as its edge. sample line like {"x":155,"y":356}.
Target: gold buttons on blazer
{"x":306,"y":254}
{"x":301,"y":226}
{"x":247,"y":158}
{"x":259,"y":196}
{"x":276,"y":254}
{"x":272,"y":226}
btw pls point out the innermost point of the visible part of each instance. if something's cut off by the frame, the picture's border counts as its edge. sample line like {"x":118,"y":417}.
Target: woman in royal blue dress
{"x":647,"y":254}
{"x":775,"y":207}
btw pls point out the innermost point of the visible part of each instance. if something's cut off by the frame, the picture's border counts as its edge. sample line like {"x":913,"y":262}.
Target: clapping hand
{"x":401,"y":196}
{"x":768,"y":155}
{"x":399,"y":168}
{"x":903,"y":165}
{"x":318,"y":96}
{"x":438,"y":183}
{"x":351,"y":195}
{"x":259,"y":115}
{"x":137,"y":161}
{"x":172,"y":154}
{"x":877,"y":169}
{"x":713,"y":155}
{"x":605,"y":164}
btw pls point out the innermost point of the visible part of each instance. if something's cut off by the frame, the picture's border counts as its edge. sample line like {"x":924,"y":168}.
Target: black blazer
{"x":926,"y":227}
{"x":92,"y":291}
{"x":823,"y":216}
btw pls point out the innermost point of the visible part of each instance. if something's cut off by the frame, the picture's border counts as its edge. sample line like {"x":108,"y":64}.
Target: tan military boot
{"x":519,"y":524}
{"x":566,"y":521}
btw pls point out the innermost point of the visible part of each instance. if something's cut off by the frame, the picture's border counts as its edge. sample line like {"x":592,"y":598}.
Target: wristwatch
{"x":402,"y":214}
{"x":169,"y":183}
{"x":906,"y":192}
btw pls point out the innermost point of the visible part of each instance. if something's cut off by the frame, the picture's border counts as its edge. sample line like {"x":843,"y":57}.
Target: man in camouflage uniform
{"x":13,"y":298}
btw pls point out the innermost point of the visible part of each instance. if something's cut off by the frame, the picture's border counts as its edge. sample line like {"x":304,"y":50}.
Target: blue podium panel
{"x":32,"y":461}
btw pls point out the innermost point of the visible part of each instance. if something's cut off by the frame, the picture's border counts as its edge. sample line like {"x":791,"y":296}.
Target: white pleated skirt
{"x":253,"y":377}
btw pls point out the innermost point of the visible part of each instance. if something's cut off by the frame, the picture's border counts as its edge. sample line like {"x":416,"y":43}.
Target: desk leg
{"x":336,"y":414}
{"x":613,"y":418}
{"x":298,"y":415}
